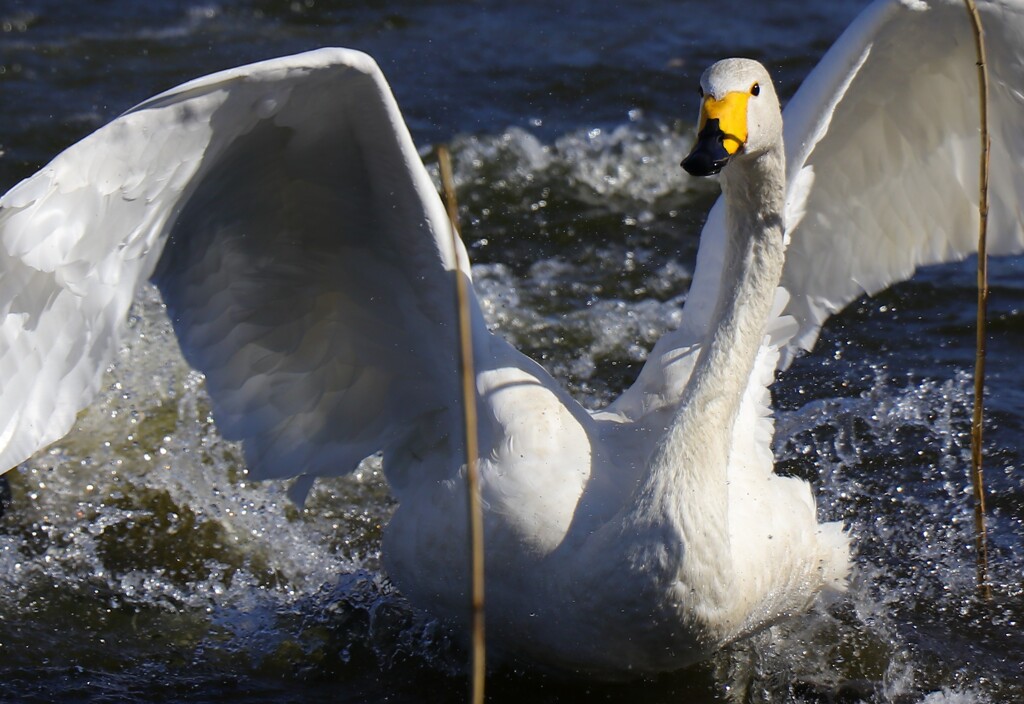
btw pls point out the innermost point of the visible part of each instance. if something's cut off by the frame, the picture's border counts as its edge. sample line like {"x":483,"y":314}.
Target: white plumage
{"x":305,"y":259}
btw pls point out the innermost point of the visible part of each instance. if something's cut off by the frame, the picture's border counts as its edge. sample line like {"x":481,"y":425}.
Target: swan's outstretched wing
{"x":882,"y":148}
{"x":888,"y":123}
{"x":307,"y":268}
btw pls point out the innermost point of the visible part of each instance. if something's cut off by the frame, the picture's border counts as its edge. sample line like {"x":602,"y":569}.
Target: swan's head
{"x":739,"y":115}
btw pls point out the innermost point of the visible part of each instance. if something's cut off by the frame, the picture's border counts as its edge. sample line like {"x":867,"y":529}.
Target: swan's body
{"x":616,"y":544}
{"x":306,"y":262}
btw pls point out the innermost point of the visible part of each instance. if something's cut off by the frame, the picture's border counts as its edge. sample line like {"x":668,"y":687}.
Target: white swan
{"x":305,"y":258}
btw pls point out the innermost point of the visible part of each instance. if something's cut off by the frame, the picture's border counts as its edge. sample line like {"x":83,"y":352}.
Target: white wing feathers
{"x":882,"y":149}
{"x":286,"y":192}
{"x":896,"y":159}
{"x":74,"y":241}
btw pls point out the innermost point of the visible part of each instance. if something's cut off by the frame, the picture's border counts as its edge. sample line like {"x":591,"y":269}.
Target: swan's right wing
{"x":310,"y":276}
{"x":301,"y":248}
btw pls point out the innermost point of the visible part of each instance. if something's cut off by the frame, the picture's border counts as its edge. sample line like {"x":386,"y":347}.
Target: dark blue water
{"x":455,"y":66}
{"x":137,"y":564}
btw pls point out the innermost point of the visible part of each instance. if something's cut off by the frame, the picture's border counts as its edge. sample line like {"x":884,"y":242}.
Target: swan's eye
{"x":700,"y":91}
{"x":755,"y":89}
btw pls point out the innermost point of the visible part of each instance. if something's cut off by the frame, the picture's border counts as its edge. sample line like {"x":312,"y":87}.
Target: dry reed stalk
{"x":476,"y":523}
{"x":977,"y":475}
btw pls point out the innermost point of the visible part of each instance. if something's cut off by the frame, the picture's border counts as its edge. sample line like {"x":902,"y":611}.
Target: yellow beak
{"x":731,"y":113}
{"x":721,"y":134}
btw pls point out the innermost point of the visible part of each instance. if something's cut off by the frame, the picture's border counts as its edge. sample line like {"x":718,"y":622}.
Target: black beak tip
{"x":709,"y":155}
{"x":701,"y":162}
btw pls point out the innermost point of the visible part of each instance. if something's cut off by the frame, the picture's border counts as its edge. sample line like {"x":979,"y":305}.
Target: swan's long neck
{"x":686,"y":487}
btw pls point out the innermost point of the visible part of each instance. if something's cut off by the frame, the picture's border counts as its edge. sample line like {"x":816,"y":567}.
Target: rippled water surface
{"x":137,"y":563}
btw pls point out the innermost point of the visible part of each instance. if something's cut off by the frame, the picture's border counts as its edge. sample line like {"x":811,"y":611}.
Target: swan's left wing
{"x":308,"y":266}
{"x":883,"y":146}
{"x":882,"y":151}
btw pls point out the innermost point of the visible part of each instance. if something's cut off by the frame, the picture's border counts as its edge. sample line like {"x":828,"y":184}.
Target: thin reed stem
{"x":476,"y":521}
{"x":977,"y":425}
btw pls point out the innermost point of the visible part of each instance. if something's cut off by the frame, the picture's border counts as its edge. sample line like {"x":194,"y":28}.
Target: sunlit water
{"x":138,"y":563}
